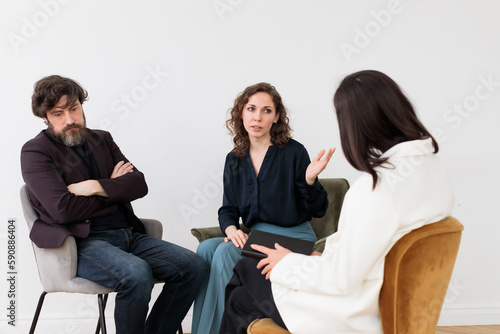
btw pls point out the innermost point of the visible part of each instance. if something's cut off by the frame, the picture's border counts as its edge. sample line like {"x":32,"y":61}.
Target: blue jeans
{"x":129,"y":263}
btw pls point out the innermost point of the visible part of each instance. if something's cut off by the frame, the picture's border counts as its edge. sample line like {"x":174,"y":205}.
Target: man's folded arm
{"x":127,"y":187}
{"x":43,"y":178}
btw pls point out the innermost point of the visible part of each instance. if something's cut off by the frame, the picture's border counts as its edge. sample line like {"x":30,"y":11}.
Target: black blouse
{"x":280,"y":195}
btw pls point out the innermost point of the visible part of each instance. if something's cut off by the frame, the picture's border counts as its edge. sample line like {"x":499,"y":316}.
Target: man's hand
{"x":237,"y":236}
{"x":318,"y":165}
{"x":122,"y":168}
{"x":273,"y":257}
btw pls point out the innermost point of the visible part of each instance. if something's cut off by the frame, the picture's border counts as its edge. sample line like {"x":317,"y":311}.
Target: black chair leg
{"x":101,"y":322}
{"x":37,"y":312}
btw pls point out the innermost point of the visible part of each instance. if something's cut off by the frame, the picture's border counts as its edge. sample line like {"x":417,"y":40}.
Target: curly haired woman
{"x":269,"y":182}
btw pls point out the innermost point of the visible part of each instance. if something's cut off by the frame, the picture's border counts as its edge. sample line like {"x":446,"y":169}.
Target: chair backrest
{"x":328,"y":224}
{"x":57,"y":266}
{"x":30,"y":215}
{"x":323,"y":227}
{"x":417,"y":272}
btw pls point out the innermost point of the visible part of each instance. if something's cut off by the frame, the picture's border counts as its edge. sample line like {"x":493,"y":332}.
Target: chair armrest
{"x":153,"y":227}
{"x":204,"y":233}
{"x":63,"y":258}
{"x":319,"y":246}
{"x":265,"y":326}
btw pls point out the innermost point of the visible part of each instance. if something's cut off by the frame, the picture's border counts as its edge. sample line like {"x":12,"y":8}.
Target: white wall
{"x":171,"y":123}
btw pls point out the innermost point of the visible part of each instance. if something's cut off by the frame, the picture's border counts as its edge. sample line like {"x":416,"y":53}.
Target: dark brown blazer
{"x":48,"y":167}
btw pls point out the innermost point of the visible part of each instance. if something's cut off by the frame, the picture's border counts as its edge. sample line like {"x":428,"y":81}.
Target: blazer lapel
{"x":101,"y":153}
{"x":67,"y":161}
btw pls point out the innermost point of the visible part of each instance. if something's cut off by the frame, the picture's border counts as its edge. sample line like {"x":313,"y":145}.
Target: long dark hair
{"x":280,"y":131}
{"x":374,"y":115}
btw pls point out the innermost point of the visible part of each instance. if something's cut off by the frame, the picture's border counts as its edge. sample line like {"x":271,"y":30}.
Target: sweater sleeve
{"x":350,"y":254}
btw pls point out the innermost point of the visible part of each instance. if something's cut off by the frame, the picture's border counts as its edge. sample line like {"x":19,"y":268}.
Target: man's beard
{"x":74,"y":138}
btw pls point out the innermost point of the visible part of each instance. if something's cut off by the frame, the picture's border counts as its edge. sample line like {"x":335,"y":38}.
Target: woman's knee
{"x":207,"y":248}
{"x":226,"y":255}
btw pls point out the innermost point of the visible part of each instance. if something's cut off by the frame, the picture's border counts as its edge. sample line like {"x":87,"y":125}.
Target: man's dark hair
{"x":47,"y":92}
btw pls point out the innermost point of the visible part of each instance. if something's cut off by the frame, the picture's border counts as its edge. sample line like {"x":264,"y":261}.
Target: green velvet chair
{"x":323,"y":227}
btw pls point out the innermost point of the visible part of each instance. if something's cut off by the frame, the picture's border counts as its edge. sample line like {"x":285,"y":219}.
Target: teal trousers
{"x":220,"y":258}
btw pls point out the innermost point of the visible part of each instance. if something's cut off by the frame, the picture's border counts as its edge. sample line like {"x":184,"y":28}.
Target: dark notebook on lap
{"x":269,"y":239}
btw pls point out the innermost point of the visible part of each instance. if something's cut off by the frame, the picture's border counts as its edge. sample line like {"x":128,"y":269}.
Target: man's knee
{"x":197,"y":269}
{"x":135,"y":274}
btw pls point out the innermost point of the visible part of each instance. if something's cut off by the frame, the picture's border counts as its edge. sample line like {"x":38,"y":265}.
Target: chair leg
{"x":101,"y":322}
{"x":37,"y":312}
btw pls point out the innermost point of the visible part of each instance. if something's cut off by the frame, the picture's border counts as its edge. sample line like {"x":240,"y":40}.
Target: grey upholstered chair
{"x":336,"y":189}
{"x":57,"y":266}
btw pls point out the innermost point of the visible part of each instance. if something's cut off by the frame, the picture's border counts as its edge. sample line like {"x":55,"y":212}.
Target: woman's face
{"x":258,"y":116}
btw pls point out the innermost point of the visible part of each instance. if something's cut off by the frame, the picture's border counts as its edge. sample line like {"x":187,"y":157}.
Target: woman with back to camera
{"x":269,"y":182}
{"x":406,"y":186}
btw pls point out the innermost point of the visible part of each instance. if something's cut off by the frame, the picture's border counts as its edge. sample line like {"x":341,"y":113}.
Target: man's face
{"x":66,"y":122}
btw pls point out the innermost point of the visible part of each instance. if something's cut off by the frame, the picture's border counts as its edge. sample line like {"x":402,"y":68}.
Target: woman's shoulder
{"x":374,"y":202}
{"x":231,"y":156}
{"x":363,"y":187}
{"x":293,"y":145}
{"x":233,"y":162}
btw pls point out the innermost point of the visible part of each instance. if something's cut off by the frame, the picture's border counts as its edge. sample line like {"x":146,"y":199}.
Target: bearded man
{"x":81,"y":184}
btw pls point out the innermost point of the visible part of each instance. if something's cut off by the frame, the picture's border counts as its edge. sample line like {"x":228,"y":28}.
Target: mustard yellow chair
{"x":417,"y":272}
